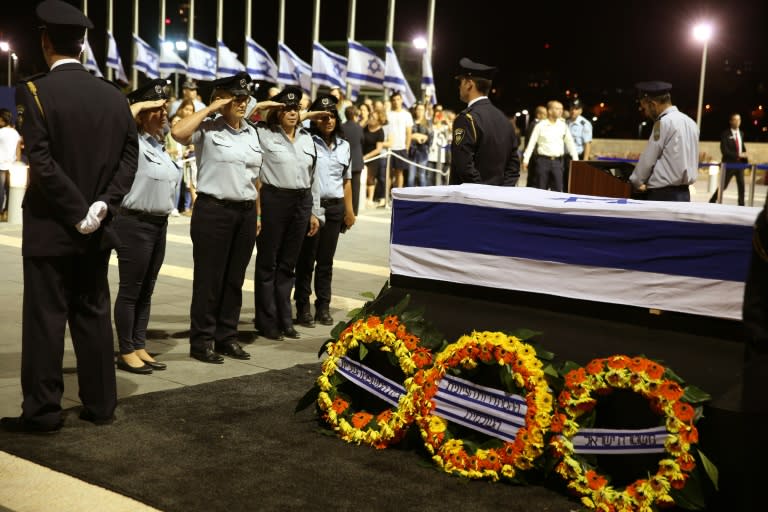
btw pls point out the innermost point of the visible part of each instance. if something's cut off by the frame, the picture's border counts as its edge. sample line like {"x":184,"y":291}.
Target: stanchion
{"x":387,"y":184}
{"x":753,"y":183}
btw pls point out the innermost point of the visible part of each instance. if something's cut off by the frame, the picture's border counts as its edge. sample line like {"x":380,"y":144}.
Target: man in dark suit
{"x":484,"y":148}
{"x":734,"y":152}
{"x":82,"y":147}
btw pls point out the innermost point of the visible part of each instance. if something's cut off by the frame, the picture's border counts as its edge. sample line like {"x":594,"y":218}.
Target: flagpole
{"x":134,"y":71}
{"x":315,"y":37}
{"x":430,"y":35}
{"x":83,"y":56}
{"x":390,"y":33}
{"x":219,"y":31}
{"x":280,"y":32}
{"x":110,"y":16}
{"x":351,"y":35}
{"x":191,"y":21}
{"x":248,"y":15}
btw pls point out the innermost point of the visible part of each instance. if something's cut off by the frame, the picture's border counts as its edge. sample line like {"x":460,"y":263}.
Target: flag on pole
{"x":364,"y":68}
{"x":201,"y":61}
{"x":394,"y":78}
{"x":328,"y":68}
{"x":293,"y":70}
{"x":170,"y":62}
{"x":427,"y":79}
{"x":113,"y":59}
{"x":147,"y":59}
{"x":228,"y":62}
{"x":90,"y":61}
{"x":259,"y":63}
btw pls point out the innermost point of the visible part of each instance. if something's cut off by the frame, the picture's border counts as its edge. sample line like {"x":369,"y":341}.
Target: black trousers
{"x":549,"y":173}
{"x":316,"y":256}
{"x":284,"y":224}
{"x":222,"y":244}
{"x":58,"y":291}
{"x":140,"y":256}
{"x":678,"y":193}
{"x":356,"y":190}
{"x":732,"y":173}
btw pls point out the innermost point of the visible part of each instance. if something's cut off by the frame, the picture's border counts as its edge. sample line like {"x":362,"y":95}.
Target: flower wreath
{"x":526,"y":371}
{"x":389,"y":426}
{"x":649,"y":379}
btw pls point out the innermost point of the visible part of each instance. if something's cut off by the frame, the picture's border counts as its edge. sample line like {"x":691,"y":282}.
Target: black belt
{"x":545,"y":157}
{"x":226,"y":203}
{"x":331,"y":201}
{"x":285,"y":191}
{"x":144,"y":216}
{"x":672,"y":187}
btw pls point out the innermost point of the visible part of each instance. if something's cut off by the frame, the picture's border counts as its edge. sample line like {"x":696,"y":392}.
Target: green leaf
{"x":694,"y":395}
{"x":551,"y":371}
{"x":326,"y":432}
{"x":710,"y":469}
{"x":690,"y":497}
{"x":324,"y":346}
{"x":308,"y":399}
{"x":568,"y":366}
{"x":400,"y":307}
{"x":524,"y":334}
{"x":544,"y":355}
{"x":492,"y":444}
{"x":363,"y":351}
{"x":669,"y":374}
{"x":336,"y":331}
{"x":354,"y":312}
{"x":506,"y":379}
{"x":368,"y":295}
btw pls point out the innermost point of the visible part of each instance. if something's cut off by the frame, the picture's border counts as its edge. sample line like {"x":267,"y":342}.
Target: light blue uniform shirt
{"x":228,"y":160}
{"x":671,"y":157}
{"x":332,"y":167}
{"x":157,"y":176}
{"x":581,"y":131}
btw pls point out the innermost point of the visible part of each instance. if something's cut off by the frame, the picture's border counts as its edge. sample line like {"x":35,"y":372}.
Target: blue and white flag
{"x":259,"y":64}
{"x":427,"y":79}
{"x":170,"y":62}
{"x":364,"y":68}
{"x":328,"y":68}
{"x":293,"y":70}
{"x":201,"y":61}
{"x":394,"y":78}
{"x":147,"y":59}
{"x":228,"y":62}
{"x":113,"y":59}
{"x":90,"y":61}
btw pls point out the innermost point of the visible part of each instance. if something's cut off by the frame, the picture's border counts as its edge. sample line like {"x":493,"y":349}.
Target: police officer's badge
{"x":458,"y":135}
{"x":243,"y":83}
{"x":656,"y":130}
{"x":158,"y":89}
{"x":290,"y":96}
{"x":325,"y":102}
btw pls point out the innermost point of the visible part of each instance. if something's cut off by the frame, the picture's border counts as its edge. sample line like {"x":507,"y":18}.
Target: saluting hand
{"x":220,"y":102}
{"x":145,"y":105}
{"x":268,"y":104}
{"x":314,"y":226}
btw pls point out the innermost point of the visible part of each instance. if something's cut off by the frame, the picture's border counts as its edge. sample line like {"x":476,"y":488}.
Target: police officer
{"x":74,"y":189}
{"x":141,"y":225}
{"x":581,"y":132}
{"x":670,"y":161}
{"x":484,"y":148}
{"x":290,"y":200}
{"x":334,"y":174}
{"x":225,"y":220}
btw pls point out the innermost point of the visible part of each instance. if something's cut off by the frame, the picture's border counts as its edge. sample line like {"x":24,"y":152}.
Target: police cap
{"x":153,"y":90}
{"x":190,"y":84}
{"x":291,"y":96}
{"x":651,"y":89}
{"x":576,"y":104}
{"x":324,"y":102}
{"x":468,"y":68}
{"x":238,"y":85}
{"x":56,"y":12}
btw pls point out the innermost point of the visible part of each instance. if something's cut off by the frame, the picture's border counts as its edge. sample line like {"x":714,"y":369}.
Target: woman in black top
{"x":374,"y":141}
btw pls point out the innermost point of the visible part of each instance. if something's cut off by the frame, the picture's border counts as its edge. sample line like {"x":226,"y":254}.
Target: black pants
{"x":140,"y":256}
{"x":356,"y":190}
{"x":58,"y":291}
{"x":285,"y":222}
{"x":316,"y":255}
{"x":731,"y":173}
{"x":549,"y":173}
{"x":531,"y":180}
{"x":222,"y":244}
{"x":679,"y":193}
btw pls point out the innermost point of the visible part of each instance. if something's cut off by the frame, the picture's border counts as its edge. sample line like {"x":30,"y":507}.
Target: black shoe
{"x":292,"y":333}
{"x":206,"y":355}
{"x":324,"y":317}
{"x":87,"y":415}
{"x":272,"y":335}
{"x":22,"y":425}
{"x":156,"y":365}
{"x":304,"y":317}
{"x":232,"y":349}
{"x":145,"y":369}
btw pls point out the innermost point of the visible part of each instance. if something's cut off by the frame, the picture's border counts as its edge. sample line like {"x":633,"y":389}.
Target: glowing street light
{"x":420,"y":43}
{"x":702,"y":32}
{"x":5,"y":47}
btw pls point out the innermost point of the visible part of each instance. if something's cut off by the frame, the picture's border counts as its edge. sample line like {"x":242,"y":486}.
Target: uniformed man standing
{"x":484,"y":148}
{"x":670,"y":161}
{"x":82,"y":147}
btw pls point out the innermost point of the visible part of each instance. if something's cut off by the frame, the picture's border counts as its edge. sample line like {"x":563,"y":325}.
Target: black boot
{"x":323,"y":316}
{"x":303,"y":316}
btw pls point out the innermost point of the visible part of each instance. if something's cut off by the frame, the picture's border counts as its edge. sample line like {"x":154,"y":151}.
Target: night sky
{"x":543,"y":49}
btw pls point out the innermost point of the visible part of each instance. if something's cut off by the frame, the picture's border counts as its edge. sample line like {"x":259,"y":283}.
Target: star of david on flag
{"x":364,"y":68}
{"x":201,"y":61}
{"x":147,"y":59}
{"x":292,"y":70}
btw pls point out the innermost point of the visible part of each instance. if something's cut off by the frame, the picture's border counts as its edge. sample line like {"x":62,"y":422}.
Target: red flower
{"x":686,"y":462}
{"x":690,"y":434}
{"x":391,"y":323}
{"x":575,"y":377}
{"x":679,"y":483}
{"x":400,"y":333}
{"x":670,"y":390}
{"x":422,"y":357}
{"x":384,"y":416}
{"x":595,"y":480}
{"x":654,"y":371}
{"x":684,"y":411}
{"x":486,"y":352}
{"x":638,"y":364}
{"x":410,"y":341}
{"x":618,"y":362}
{"x":595,"y":366}
{"x":558,"y":422}
{"x":339,"y":405}
{"x":361,"y":419}
{"x":373,"y":321}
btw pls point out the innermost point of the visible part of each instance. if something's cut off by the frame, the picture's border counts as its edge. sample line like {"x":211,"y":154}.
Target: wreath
{"x":668,"y":398}
{"x":520,"y":370}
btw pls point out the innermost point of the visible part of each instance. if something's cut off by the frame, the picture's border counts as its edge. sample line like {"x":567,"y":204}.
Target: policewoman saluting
{"x":225,"y":220}
{"x":141,"y":224}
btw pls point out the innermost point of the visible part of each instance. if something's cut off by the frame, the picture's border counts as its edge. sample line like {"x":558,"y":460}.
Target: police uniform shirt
{"x":157,"y":176}
{"x":671,"y":157}
{"x":228,"y":160}
{"x":581,"y":131}
{"x":333,"y":167}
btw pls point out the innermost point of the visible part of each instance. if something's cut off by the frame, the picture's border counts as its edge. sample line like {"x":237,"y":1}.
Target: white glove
{"x":98,"y":210}
{"x":88,"y":225}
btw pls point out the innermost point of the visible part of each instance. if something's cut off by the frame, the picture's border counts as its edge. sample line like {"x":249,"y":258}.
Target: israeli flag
{"x":201,"y":61}
{"x":228,"y":62}
{"x":170,"y":62}
{"x":259,"y":63}
{"x":394,"y":78}
{"x":364,"y":68}
{"x":328,"y":68}
{"x":427,"y":79}
{"x":90,"y":62}
{"x":113,"y":59}
{"x":293,"y":70}
{"x":147,"y":59}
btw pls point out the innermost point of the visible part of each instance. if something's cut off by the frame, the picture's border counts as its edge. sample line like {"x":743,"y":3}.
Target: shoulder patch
{"x":458,"y":136}
{"x":656,"y":130}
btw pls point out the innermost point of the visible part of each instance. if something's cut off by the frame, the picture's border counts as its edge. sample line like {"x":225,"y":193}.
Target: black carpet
{"x":236,"y":444}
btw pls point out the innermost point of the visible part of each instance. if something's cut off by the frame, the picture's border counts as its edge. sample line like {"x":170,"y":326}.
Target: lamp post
{"x":4,"y":46}
{"x":702,"y":32}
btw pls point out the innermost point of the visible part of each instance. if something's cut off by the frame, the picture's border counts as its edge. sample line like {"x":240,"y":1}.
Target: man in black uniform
{"x":82,"y":147}
{"x":484,"y":148}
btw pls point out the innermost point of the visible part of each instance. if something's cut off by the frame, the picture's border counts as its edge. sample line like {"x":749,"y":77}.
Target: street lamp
{"x":702,"y":32}
{"x":420,"y":43}
{"x":5,"y":47}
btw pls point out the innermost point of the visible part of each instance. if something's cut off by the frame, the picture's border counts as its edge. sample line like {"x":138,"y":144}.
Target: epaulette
{"x":32,"y":77}
{"x":112,"y":83}
{"x":472,"y":124}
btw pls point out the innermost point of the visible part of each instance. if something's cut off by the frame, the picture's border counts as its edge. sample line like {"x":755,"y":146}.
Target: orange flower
{"x":339,"y":405}
{"x":361,"y":419}
{"x":638,"y":364}
{"x":654,"y":371}
{"x":422,"y":357}
{"x":486,"y":352}
{"x":384,"y":416}
{"x":400,"y":333}
{"x":690,"y":434}
{"x":686,"y":462}
{"x":684,"y":411}
{"x":670,"y":390}
{"x":373,"y":321}
{"x":391,"y":323}
{"x":618,"y":362}
{"x":564,"y":398}
{"x":679,"y":483}
{"x":595,"y":366}
{"x":575,"y":377}
{"x":410,"y":341}
{"x":558,"y":422}
{"x":595,"y":480}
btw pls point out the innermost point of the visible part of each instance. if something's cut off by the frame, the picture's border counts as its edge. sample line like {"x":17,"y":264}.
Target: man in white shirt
{"x":551,"y":137}
{"x":400,"y":124}
{"x":9,"y":151}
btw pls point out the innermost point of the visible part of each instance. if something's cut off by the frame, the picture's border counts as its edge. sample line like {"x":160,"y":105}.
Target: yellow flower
{"x":437,"y":424}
